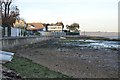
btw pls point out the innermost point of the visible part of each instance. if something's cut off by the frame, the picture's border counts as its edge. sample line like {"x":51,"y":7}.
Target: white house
{"x":55,"y":28}
{"x":16,"y":32}
{"x":58,"y":27}
{"x":18,"y":29}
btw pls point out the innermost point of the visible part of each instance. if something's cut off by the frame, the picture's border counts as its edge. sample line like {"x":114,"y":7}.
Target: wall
{"x":19,"y":41}
{"x":55,"y":34}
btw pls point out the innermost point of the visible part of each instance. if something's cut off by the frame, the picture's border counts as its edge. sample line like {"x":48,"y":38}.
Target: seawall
{"x":10,"y":42}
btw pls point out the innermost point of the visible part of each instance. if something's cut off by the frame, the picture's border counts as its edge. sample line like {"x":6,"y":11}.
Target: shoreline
{"x":93,"y":37}
{"x":72,"y":61}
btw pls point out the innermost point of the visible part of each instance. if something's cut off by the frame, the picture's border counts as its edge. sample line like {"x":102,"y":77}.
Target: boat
{"x":6,"y":56}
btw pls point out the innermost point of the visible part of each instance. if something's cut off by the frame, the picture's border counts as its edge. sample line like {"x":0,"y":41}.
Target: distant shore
{"x":94,"y":38}
{"x":111,"y":35}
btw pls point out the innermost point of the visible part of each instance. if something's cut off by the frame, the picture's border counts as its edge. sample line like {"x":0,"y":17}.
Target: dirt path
{"x":73,"y":61}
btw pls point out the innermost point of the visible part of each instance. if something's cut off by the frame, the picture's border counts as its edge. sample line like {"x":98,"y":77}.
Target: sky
{"x":92,"y":15}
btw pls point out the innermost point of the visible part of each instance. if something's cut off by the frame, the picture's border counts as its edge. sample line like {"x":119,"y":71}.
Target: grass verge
{"x":30,"y":69}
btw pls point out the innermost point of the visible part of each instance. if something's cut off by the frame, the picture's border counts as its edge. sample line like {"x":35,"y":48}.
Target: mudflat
{"x":76,"y":62}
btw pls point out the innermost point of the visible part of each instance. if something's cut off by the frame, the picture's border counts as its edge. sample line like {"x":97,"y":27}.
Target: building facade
{"x":57,"y":27}
{"x":54,"y":28}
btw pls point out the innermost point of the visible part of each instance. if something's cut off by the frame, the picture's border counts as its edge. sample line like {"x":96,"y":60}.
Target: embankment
{"x":11,"y":42}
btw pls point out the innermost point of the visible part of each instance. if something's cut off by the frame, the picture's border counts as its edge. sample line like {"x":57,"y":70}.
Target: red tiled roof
{"x":36,"y":26}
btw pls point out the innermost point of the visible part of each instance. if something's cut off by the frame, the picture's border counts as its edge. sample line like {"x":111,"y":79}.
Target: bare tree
{"x":9,"y":15}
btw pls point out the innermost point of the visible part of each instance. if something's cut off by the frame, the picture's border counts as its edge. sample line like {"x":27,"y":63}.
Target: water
{"x":105,"y":44}
{"x":113,"y":37}
{"x":97,"y":44}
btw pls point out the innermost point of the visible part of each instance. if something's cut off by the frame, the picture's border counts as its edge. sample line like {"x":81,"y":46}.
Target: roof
{"x":35,"y":26}
{"x":57,"y":24}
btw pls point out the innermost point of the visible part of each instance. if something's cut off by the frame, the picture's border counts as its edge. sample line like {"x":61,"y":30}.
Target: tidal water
{"x":111,"y":35}
{"x":97,"y":44}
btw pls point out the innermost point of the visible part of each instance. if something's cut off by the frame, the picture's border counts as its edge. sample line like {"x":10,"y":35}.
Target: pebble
{"x":10,"y":75}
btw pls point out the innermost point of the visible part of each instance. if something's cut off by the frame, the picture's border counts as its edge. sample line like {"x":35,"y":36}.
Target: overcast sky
{"x":92,"y":15}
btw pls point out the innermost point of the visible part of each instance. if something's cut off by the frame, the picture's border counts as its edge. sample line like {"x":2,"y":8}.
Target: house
{"x":33,"y":28}
{"x":16,"y":32}
{"x":45,"y":29}
{"x":57,"y":27}
{"x":19,"y":24}
{"x":18,"y":28}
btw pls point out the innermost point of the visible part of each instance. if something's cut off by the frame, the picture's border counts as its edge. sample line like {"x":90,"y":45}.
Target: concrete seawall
{"x":19,"y":41}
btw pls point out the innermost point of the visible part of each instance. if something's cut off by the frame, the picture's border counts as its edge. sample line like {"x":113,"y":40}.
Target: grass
{"x":30,"y":69}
